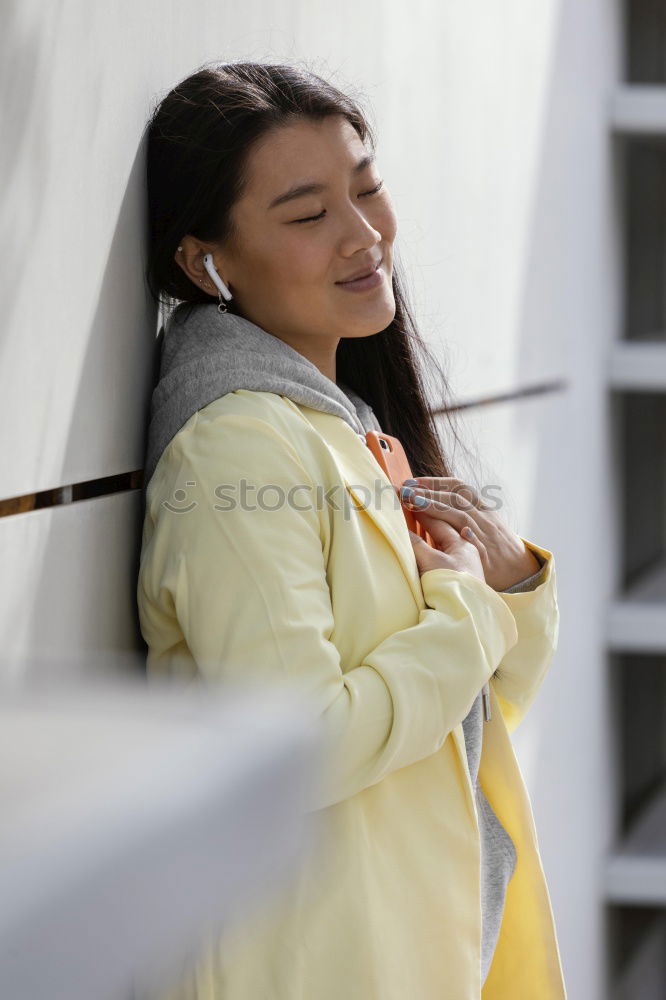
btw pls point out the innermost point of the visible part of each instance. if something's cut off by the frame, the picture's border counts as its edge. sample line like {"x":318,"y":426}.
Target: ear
{"x":190,"y":258}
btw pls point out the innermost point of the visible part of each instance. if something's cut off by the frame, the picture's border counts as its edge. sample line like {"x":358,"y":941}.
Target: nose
{"x":361,"y":235}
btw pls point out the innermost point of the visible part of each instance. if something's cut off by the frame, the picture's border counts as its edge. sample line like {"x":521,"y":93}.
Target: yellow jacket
{"x":321,"y":587}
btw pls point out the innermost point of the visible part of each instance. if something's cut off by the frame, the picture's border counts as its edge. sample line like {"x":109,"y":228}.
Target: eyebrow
{"x":298,"y":190}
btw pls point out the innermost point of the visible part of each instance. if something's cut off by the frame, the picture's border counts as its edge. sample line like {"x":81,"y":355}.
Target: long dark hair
{"x":199,"y":137}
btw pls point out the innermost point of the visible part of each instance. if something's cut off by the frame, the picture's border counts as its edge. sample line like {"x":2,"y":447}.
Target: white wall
{"x":493,"y":140}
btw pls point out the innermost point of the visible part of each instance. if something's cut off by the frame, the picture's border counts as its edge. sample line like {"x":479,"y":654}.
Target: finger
{"x":465,"y":493}
{"x":473,"y":539}
{"x":451,"y":484}
{"x":435,"y":511}
{"x":454,"y":499}
{"x":470,"y":535}
{"x":438,"y":482}
{"x":416,"y":539}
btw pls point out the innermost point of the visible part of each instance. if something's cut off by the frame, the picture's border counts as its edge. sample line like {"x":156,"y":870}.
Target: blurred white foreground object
{"x":135,"y":816}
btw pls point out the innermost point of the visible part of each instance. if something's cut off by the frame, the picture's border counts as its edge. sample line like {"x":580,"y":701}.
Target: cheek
{"x":296,"y":260}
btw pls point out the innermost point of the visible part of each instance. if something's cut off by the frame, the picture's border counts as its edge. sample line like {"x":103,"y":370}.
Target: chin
{"x":371,"y":324}
{"x":383,"y":314}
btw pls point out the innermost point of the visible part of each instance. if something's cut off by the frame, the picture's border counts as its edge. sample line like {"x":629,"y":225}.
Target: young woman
{"x":275,"y":549}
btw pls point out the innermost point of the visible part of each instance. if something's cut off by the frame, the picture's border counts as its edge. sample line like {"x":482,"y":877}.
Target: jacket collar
{"x":204,"y":354}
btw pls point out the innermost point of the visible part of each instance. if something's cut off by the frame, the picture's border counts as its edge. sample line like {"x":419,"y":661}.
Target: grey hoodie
{"x":206,"y":354}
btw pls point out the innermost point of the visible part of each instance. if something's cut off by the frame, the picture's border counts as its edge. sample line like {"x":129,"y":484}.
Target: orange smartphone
{"x":392,"y":458}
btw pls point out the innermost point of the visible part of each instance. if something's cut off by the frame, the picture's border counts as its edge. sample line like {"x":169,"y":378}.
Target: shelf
{"x":637,"y":620}
{"x":638,"y":366}
{"x":638,"y":109}
{"x":636,"y":867}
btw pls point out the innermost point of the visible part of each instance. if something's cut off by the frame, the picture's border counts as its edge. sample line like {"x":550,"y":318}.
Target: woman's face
{"x":284,"y":273}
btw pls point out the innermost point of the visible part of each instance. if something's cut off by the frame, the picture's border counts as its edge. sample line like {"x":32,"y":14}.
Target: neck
{"x":320,"y":353}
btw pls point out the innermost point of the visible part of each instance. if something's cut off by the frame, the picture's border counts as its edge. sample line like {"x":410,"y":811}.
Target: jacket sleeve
{"x":533,"y":604}
{"x":250,"y":591}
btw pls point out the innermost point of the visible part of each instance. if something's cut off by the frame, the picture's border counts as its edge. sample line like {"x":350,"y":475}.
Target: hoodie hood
{"x":205,"y":354}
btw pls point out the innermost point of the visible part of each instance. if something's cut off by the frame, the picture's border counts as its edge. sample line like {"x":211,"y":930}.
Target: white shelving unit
{"x":634,"y":877}
{"x":637,"y":618}
{"x":636,"y":871}
{"x":638,"y":366}
{"x":639,"y":109}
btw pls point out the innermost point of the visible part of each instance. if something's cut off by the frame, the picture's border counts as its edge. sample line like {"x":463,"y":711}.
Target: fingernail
{"x":420,"y":501}
{"x":406,"y":492}
{"x":410,"y":482}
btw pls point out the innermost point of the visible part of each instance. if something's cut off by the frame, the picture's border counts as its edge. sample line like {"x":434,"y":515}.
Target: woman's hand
{"x":453,"y":506}
{"x":459,"y":554}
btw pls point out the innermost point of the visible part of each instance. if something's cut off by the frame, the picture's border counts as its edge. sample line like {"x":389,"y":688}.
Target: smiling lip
{"x":361,"y":274}
{"x":361,"y":285}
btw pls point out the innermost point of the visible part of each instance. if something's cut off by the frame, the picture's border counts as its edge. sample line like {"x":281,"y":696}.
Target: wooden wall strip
{"x":72,"y":492}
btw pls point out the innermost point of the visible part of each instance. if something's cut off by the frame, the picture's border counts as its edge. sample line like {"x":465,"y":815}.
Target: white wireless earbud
{"x":212,"y":270}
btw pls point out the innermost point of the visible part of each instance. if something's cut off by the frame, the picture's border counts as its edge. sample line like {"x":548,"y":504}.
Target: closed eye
{"x":364,"y":194}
